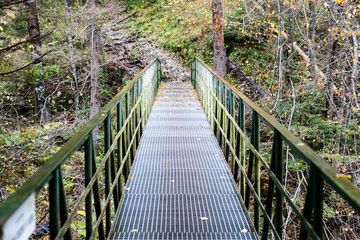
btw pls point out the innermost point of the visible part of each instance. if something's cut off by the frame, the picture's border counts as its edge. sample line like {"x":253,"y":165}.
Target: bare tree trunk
{"x":35,"y":40}
{"x":72,"y":62}
{"x":218,"y":38}
{"x":95,"y":61}
{"x":280,"y":57}
{"x":312,"y":35}
{"x":330,"y":82}
{"x":355,"y":70}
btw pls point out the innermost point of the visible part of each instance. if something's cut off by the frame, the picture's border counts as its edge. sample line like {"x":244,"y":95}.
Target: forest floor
{"x":132,"y":53}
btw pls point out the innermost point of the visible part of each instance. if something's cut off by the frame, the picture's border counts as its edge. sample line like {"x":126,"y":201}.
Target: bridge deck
{"x":180,"y":186}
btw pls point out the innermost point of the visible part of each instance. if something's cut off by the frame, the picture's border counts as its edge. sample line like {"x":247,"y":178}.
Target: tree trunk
{"x":355,"y":69}
{"x":35,"y":40}
{"x":311,"y":39}
{"x":72,"y":62}
{"x":218,"y":38}
{"x":95,"y":61}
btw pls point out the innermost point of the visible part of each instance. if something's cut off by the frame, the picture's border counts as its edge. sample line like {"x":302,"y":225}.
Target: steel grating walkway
{"x":180,"y":186}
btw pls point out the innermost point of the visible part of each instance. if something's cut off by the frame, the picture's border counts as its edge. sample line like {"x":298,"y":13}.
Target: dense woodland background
{"x":298,"y":59}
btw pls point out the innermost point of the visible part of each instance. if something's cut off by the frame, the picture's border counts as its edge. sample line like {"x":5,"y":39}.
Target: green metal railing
{"x":225,"y":107}
{"x":130,"y":109}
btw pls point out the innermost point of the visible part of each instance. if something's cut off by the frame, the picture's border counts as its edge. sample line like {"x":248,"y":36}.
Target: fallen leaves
{"x":82,"y":213}
{"x":342,"y":176}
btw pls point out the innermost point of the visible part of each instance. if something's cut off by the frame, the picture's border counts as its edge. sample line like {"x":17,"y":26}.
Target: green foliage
{"x":136,"y":4}
{"x":47,"y":72}
{"x":175,"y":27}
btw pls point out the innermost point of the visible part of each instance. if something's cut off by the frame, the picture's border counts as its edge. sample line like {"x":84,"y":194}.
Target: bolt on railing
{"x":131,"y":106}
{"x":226,"y":109}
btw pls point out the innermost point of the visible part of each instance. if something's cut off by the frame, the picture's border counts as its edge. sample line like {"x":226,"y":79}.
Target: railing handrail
{"x":45,"y":172}
{"x":342,"y":185}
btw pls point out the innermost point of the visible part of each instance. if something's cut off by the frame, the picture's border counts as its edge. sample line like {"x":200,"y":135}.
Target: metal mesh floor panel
{"x":180,"y":186}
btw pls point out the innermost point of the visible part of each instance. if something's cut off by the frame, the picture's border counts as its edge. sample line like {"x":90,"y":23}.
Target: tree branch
{"x":25,"y":66}
{"x":22,"y":42}
{"x":7,"y":4}
{"x":127,"y":17}
{"x":234,"y":70}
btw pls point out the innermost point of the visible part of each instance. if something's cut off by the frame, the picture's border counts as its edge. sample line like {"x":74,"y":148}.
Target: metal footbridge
{"x":180,"y":160}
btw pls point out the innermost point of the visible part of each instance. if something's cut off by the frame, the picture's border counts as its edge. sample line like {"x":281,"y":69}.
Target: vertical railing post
{"x":128,"y":131}
{"x":134,"y":120}
{"x":213,"y":102}
{"x":107,"y":125}
{"x":256,"y":144}
{"x":279,"y":172}
{"x":193,"y":73}
{"x":276,"y":156}
{"x":158,"y":73}
{"x":215,"y":128}
{"x":240,"y":148}
{"x":318,"y":189}
{"x":252,"y":159}
{"x":138,"y":110}
{"x":54,"y":199}
{"x":88,"y":176}
{"x":63,"y":207}
{"x":221,"y":123}
{"x":242,"y":145}
{"x":119,"y":142}
{"x":58,"y":208}
{"x":229,"y":127}
{"x":132,"y":129}
{"x":96,"y":193}
{"x":313,"y":202}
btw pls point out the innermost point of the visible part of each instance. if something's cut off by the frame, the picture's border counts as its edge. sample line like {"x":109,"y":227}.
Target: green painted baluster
{"x":54,"y":198}
{"x":139,"y":111}
{"x":132,"y":128}
{"x":213,"y":123}
{"x":276,"y":156}
{"x":88,"y":176}
{"x":240,"y":148}
{"x":216,"y":108}
{"x":221,"y":124}
{"x":107,"y":125}
{"x":229,"y":126}
{"x":313,"y":201}
{"x":242,"y":144}
{"x":235,"y":166}
{"x":96,"y":192}
{"x":279,"y":172}
{"x":193,"y":73}
{"x":108,"y":143}
{"x":318,"y":189}
{"x":254,"y":140}
{"x":158,"y":74}
{"x":63,"y":206}
{"x":119,"y":143}
{"x":58,"y":208}
{"x":256,"y":144}
{"x":128,"y":136}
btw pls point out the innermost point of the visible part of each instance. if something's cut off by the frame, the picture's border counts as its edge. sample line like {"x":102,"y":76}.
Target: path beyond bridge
{"x":180,"y":185}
